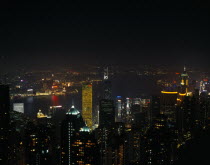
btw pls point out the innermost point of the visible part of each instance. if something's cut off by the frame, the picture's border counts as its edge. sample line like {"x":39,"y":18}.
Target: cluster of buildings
{"x":120,"y":131}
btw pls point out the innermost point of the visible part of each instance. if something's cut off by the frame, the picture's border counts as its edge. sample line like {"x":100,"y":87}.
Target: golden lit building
{"x":184,"y":82}
{"x":87,"y":104}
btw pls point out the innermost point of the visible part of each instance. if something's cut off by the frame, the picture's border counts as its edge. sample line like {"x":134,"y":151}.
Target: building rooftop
{"x":73,"y":111}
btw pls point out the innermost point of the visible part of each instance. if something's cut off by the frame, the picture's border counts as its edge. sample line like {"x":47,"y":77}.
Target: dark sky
{"x":150,"y":31}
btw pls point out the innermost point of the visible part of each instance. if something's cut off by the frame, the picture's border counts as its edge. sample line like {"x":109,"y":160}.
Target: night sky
{"x":59,"y":34}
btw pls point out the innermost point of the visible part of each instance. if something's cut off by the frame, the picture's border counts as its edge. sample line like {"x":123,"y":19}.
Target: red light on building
{"x":177,"y":73}
{"x":205,"y":79}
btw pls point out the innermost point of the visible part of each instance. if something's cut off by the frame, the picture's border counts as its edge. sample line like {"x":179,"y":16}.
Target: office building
{"x":84,"y":148}
{"x":87,"y":104}
{"x":70,"y":127}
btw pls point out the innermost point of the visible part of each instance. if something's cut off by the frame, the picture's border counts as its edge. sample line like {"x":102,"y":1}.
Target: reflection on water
{"x":30,"y":99}
{"x":55,"y":100}
{"x":33,"y":104}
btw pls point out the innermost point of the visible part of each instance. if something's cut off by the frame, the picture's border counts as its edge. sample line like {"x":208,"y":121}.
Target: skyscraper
{"x":4,"y":122}
{"x":107,"y":113}
{"x":78,"y":145}
{"x":185,"y":118}
{"x":107,"y":85}
{"x":38,"y":144}
{"x":157,"y":144}
{"x":87,"y":104}
{"x":118,"y":112}
{"x":70,"y":126}
{"x":184,"y":82}
{"x":84,"y":148}
{"x":106,"y":127}
{"x":154,"y":107}
{"x":168,"y":101}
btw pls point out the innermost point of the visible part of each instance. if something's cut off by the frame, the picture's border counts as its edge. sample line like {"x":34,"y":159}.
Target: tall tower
{"x":106,"y":121}
{"x":70,"y":127}
{"x":4,"y":122}
{"x":118,"y":110}
{"x":107,"y":113}
{"x":87,"y":104}
{"x":184,"y":81}
{"x":106,"y":73}
{"x":107,"y":85}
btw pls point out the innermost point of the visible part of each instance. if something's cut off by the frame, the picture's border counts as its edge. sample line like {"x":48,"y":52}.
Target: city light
{"x":169,"y":92}
{"x":121,"y":83}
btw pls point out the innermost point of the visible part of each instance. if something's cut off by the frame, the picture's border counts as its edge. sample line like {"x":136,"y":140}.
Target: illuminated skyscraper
{"x":168,"y":101}
{"x":87,"y":104}
{"x":107,"y":85}
{"x":184,"y":82}
{"x":127,"y":117}
{"x":70,"y":127}
{"x":204,"y":85}
{"x":106,"y":127}
{"x":4,"y":123}
{"x":84,"y":148}
{"x":78,"y":145}
{"x":118,"y":113}
{"x":128,"y":106}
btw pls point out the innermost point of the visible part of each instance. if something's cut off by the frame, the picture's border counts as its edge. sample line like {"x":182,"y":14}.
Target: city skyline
{"x":151,"y":127}
{"x":99,"y":83}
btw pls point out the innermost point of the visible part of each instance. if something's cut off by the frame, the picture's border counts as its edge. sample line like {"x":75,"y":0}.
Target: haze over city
{"x":144,"y":32}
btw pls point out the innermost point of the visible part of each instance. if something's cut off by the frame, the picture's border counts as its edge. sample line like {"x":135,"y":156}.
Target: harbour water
{"x":32,"y":104}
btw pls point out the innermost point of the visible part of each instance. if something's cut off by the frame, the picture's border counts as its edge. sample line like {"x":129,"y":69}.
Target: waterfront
{"x":33,"y":103}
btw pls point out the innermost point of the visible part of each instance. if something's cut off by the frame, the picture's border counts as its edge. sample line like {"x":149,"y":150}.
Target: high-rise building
{"x":154,"y":107}
{"x":4,"y":122}
{"x":107,"y":85}
{"x":31,"y":144}
{"x":38,"y":143}
{"x":111,"y":144}
{"x":119,"y":106}
{"x":106,"y":127}
{"x":168,"y":101}
{"x":106,"y":113}
{"x":184,"y":82}
{"x":157,"y":144}
{"x":87,"y":104}
{"x":78,"y":145}
{"x":70,"y":126}
{"x":127,"y":116}
{"x":185,"y":118}
{"x":97,"y":95}
{"x":132,"y":147}
{"x":128,"y":106}
{"x":84,"y":148}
